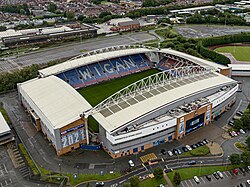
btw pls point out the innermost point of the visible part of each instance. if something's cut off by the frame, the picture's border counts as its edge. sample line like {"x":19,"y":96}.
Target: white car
{"x":131,"y":163}
{"x":220,"y":174}
{"x":242,"y":131}
{"x":170,"y":153}
{"x":196,"y":179}
{"x":248,"y":182}
{"x":234,"y":133}
{"x":188,"y":147}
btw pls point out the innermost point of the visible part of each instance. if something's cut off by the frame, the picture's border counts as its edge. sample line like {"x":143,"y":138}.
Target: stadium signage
{"x":115,"y":65}
{"x":72,"y":129}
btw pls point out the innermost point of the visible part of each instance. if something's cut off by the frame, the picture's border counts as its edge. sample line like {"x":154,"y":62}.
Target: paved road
{"x":46,"y":55}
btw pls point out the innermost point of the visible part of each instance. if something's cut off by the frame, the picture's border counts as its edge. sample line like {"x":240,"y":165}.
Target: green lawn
{"x":199,"y":151}
{"x":5,"y":115}
{"x":152,"y":182}
{"x":240,"y":146}
{"x":241,"y":53}
{"x":188,"y":173}
{"x":97,"y":93}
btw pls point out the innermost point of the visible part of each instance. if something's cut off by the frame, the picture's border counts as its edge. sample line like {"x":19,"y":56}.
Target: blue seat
{"x":97,"y":71}
{"x":109,"y":69}
{"x":129,"y":64}
{"x":73,"y":78}
{"x":140,"y":61}
{"x":120,"y":66}
{"x":62,"y":76}
{"x":86,"y":75}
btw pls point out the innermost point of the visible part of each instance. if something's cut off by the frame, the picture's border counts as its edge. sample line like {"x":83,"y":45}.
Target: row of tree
{"x":243,"y":122}
{"x":19,"y":9}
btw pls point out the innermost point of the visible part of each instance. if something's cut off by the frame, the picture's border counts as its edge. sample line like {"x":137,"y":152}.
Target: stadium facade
{"x":186,"y":94}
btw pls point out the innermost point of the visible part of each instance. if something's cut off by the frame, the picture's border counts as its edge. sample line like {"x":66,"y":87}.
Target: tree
{"x":81,"y":17}
{"x":238,"y":124}
{"x":248,"y":142}
{"x":103,"y":14}
{"x":3,"y":28}
{"x":177,"y":178}
{"x":234,"y":158}
{"x":126,"y":185}
{"x":52,"y":7}
{"x":245,"y":118}
{"x":70,"y":15}
{"x":158,"y":173}
{"x":134,"y":181}
{"x":245,"y":157}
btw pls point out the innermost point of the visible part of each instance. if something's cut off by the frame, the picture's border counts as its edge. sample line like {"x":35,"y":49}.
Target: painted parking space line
{"x":202,"y":179}
{"x":190,"y":182}
{"x":229,"y":174}
{"x":225,"y":174}
{"x":186,"y":183}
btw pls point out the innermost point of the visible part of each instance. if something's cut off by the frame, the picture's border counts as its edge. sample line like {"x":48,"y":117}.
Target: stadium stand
{"x":105,"y":70}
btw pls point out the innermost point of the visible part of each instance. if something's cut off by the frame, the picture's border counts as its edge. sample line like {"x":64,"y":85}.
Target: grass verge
{"x":28,"y":159}
{"x":240,"y":146}
{"x":152,"y":182}
{"x":91,"y":177}
{"x":188,"y":173}
{"x":199,"y":151}
{"x":5,"y":115}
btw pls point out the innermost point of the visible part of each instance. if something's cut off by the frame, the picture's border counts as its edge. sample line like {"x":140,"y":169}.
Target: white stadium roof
{"x":4,"y":127}
{"x":136,"y":110}
{"x":70,"y":64}
{"x":53,"y":99}
{"x":240,"y":67}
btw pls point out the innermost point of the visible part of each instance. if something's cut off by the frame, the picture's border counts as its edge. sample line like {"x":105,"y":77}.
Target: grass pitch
{"x":98,"y":92}
{"x":241,"y":53}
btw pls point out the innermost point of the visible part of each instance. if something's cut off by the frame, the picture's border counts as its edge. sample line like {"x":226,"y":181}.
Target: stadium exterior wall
{"x":175,"y":132}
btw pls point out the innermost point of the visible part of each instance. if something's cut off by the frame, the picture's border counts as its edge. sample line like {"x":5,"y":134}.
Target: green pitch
{"x":97,"y":93}
{"x":241,"y":53}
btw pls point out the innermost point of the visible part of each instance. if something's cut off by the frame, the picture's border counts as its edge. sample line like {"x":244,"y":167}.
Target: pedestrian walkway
{"x":148,"y":157}
{"x":215,"y":148}
{"x":170,"y":184}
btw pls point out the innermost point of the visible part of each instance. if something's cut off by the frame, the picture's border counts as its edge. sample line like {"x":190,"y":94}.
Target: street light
{"x":60,"y":168}
{"x":200,"y":168}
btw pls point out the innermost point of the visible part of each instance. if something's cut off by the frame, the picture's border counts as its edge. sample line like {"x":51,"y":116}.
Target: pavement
{"x":46,"y":55}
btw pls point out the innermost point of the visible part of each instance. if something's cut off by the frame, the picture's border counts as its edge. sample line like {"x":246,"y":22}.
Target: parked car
{"x":189,"y":148}
{"x":231,"y":124}
{"x":234,"y":133}
{"x":220,"y":174}
{"x":248,"y":167}
{"x":196,"y":179}
{"x":201,"y":143}
{"x":216,"y":175}
{"x":208,"y":177}
{"x":248,"y":182}
{"x":179,"y":151}
{"x":242,"y":170}
{"x":242,"y":131}
{"x":163,"y":151}
{"x":192,"y":162}
{"x":206,"y":141}
{"x":131,"y":163}
{"x":197,"y":145}
{"x":99,"y":184}
{"x":243,"y":185}
{"x":239,"y":113}
{"x":193,"y":146}
{"x":235,"y":171}
{"x":184,"y":149}
{"x":170,"y":153}
{"x":175,"y":151}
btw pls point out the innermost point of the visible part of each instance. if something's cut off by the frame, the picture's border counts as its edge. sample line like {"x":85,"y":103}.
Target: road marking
{"x":202,"y":179}
{"x":186,"y":183}
{"x":5,"y":168}
{"x":190,"y":182}
{"x":122,"y":181}
{"x":226,"y":174}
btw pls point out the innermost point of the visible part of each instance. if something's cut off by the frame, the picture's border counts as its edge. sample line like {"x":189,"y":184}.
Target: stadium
{"x":126,"y":98}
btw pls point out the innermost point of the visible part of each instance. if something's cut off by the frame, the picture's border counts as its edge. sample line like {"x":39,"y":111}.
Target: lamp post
{"x":200,"y":168}
{"x":60,"y":168}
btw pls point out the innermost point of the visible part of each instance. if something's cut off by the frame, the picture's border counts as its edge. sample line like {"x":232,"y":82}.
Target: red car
{"x":235,"y":171}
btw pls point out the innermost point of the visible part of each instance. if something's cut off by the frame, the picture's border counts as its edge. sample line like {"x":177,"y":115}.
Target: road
{"x":45,"y":55}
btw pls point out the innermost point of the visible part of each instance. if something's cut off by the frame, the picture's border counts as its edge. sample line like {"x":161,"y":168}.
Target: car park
{"x":185,"y":149}
{"x":131,"y":163}
{"x":175,"y":151}
{"x":179,"y":151}
{"x":163,"y":151}
{"x":192,"y":162}
{"x":196,"y":179}
{"x":220,"y":174}
{"x":170,"y":153}
{"x":216,"y":175}
{"x":189,"y":148}
{"x":208,"y":177}
{"x":243,"y":185}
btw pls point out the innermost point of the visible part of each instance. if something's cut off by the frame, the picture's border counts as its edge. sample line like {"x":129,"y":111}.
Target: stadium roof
{"x":53,"y":99}
{"x":70,"y":64}
{"x":4,"y":127}
{"x":113,"y":117}
{"x":199,"y":61}
{"x":240,"y":67}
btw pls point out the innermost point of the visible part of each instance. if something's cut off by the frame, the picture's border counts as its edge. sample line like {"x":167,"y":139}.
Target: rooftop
{"x":55,"y":100}
{"x":4,"y":127}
